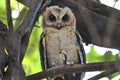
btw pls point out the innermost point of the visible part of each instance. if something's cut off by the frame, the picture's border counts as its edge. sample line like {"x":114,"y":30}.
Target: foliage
{"x":116,"y":0}
{"x":94,"y":56}
{"x":2,"y":12}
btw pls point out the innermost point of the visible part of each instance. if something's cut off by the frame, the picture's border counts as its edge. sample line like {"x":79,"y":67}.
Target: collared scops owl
{"x":60,"y":43}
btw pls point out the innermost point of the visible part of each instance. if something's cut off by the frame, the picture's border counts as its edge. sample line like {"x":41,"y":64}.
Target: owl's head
{"x":58,"y":18}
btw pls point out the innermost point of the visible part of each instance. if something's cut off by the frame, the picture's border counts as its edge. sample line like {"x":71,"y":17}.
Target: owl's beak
{"x":58,"y":26}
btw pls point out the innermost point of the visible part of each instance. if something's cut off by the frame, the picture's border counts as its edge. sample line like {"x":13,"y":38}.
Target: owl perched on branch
{"x":60,"y":43}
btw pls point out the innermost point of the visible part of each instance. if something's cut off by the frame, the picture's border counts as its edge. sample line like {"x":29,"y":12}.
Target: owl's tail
{"x":74,"y":76}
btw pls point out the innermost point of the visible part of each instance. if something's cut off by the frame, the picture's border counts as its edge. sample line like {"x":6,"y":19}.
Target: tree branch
{"x":104,"y":74}
{"x":9,"y":15}
{"x":3,"y":56}
{"x":28,"y":23}
{"x":103,"y":9}
{"x":13,"y":48}
{"x":29,"y":19}
{"x":65,"y":69}
{"x":14,"y":43}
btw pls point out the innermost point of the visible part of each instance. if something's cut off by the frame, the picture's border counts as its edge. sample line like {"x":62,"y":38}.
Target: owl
{"x":60,"y":43}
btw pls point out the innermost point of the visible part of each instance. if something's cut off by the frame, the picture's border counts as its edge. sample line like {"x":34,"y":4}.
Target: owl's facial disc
{"x":58,"y":20}
{"x":52,"y":18}
{"x":58,"y":26}
{"x":65,"y":18}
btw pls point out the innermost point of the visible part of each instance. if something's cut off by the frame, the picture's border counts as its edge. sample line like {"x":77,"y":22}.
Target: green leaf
{"x":108,"y":56}
{"x":94,"y":56}
{"x":113,"y":75}
{"x":116,"y":0}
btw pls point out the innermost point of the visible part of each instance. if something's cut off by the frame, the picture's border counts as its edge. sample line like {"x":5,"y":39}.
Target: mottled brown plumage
{"x":60,"y":42}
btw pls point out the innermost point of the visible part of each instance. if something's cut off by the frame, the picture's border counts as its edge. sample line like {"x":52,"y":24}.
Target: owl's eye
{"x":65,"y":17}
{"x":52,"y":18}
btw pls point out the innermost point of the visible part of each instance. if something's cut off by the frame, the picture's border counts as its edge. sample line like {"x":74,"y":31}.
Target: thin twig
{"x":104,"y":74}
{"x":30,"y":18}
{"x":9,"y":15}
{"x":114,"y":4}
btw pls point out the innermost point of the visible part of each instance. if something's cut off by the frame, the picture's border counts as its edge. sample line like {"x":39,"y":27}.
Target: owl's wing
{"x":43,"y":52}
{"x":81,"y":51}
{"x":81,"y":55}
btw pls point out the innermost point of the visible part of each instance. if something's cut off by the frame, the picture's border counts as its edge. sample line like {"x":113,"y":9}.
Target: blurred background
{"x":31,"y":62}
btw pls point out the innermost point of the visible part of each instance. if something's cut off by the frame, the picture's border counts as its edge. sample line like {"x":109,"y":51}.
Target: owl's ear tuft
{"x":67,"y":8}
{"x":47,"y":9}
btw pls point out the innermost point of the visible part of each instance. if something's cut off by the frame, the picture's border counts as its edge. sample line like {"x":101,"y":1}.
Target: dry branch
{"x":65,"y":69}
{"x":13,"y":38}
